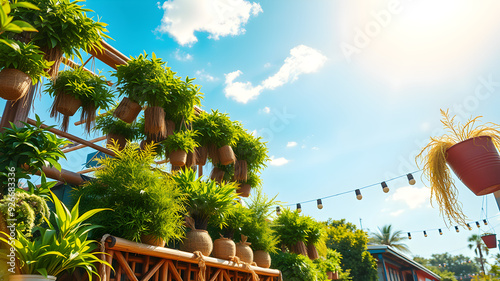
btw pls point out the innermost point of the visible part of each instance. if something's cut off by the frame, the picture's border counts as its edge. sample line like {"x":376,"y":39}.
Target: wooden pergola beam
{"x":110,"y":55}
{"x":80,"y":146}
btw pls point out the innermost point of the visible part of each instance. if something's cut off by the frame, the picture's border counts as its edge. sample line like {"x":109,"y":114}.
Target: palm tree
{"x":479,"y":247}
{"x":386,"y":236}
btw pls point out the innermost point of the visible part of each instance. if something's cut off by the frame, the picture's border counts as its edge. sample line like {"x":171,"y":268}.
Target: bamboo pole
{"x":76,"y":147}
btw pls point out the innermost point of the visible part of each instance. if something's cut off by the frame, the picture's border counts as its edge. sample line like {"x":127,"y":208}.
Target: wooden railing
{"x":135,"y":261}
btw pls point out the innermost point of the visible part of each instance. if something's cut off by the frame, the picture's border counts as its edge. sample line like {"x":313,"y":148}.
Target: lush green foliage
{"x":26,"y":150}
{"x":460,"y":265}
{"x":183,"y":96}
{"x":253,"y":179}
{"x":351,"y":243}
{"x":251,"y":149}
{"x":62,"y":246}
{"x":28,"y":210}
{"x":205,"y":199}
{"x":216,"y":128}
{"x":9,"y":24}
{"x":26,"y":58}
{"x":89,"y":89}
{"x":386,"y":236}
{"x":480,"y":249}
{"x":296,"y":267}
{"x":145,"y":200}
{"x":181,"y":140}
{"x":63,"y":24}
{"x":291,"y":228}
{"x":108,"y":124}
{"x":145,"y":80}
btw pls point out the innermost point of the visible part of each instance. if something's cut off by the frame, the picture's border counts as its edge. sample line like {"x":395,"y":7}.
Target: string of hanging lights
{"x":440,"y":231}
{"x":357,"y":192}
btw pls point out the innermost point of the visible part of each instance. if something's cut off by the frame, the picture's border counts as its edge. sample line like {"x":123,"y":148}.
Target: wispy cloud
{"x":203,"y":75}
{"x":182,"y":56}
{"x":278,"y":161}
{"x":266,"y":110}
{"x":182,"y":18}
{"x":413,"y":197}
{"x":302,"y":60}
{"x":291,"y":144}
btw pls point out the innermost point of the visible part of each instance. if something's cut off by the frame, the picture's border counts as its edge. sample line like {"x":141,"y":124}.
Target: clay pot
{"x":226,"y":155}
{"x":490,"y":240}
{"x":224,"y":248}
{"x":127,"y":110}
{"x":197,"y":240}
{"x":14,"y":84}
{"x":153,"y":240}
{"x":477,"y":164}
{"x":243,"y":190}
{"x":262,"y":259}
{"x":178,"y":158}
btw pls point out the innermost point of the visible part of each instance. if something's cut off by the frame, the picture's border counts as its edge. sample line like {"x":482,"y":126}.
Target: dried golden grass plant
{"x":433,"y":156}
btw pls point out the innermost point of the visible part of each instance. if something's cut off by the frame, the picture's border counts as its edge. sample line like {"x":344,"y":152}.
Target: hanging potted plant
{"x":244,"y":187}
{"x":205,"y":200}
{"x":292,"y":230}
{"x":63,"y":28}
{"x":144,"y":82}
{"x":490,"y":239}
{"x":205,"y":125}
{"x":315,"y":234}
{"x":20,"y":68}
{"x":148,"y":206}
{"x":251,"y":153}
{"x":59,"y":247}
{"x":116,"y":130}
{"x":78,"y":87}
{"x":471,"y":152}
{"x":330,"y":264}
{"x":178,"y":145}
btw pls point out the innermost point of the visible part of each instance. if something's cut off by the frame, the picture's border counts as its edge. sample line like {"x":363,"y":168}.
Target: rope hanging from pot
{"x":201,"y":265}
{"x":246,"y":266}
{"x":103,"y":251}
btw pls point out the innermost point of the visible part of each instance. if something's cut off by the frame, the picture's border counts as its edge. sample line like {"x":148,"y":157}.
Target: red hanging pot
{"x":490,"y":240}
{"x":477,"y":164}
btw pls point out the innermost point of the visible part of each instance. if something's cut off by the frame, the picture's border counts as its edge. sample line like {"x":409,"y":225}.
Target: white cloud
{"x":302,"y":60}
{"x":413,"y":197}
{"x":182,"y":18}
{"x":279,"y":161}
{"x":203,"y":75}
{"x":397,"y":213}
{"x":291,"y":144}
{"x":266,"y":109}
{"x":182,"y":56}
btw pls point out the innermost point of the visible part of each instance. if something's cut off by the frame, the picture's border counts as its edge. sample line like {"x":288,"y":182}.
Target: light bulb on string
{"x":478,"y":224}
{"x":299,"y":208}
{"x":440,"y":232}
{"x":278,"y":210}
{"x":385,"y":188}
{"x":409,"y":235}
{"x":485,"y":222}
{"x":358,"y":194}
{"x":411,"y":180}
{"x":425,"y":233}
{"x":456,"y":229}
{"x":320,"y":204}
{"x":468,"y":226}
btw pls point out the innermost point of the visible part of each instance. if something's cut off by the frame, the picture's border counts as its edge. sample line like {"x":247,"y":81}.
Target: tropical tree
{"x":386,"y":236}
{"x":476,"y":243}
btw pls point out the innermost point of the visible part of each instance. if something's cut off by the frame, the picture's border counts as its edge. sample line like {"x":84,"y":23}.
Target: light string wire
{"x":446,"y":228}
{"x":353,"y":190}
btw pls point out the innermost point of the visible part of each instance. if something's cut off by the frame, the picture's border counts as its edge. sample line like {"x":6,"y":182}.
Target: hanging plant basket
{"x":121,"y":140}
{"x":178,"y":158}
{"x":201,"y":155}
{"x":224,"y":248}
{"x":300,"y":248}
{"x":153,"y":240}
{"x":490,"y":240}
{"x":197,"y":240}
{"x":244,"y":190}
{"x":14,"y":84}
{"x":127,"y":110}
{"x":226,"y":155}
{"x":243,"y":250}
{"x":217,"y":175}
{"x":312,"y":252}
{"x":66,"y":104}
{"x":476,"y":162}
{"x":170,"y":127}
{"x":240,"y":170}
{"x":191,"y":159}
{"x":154,"y":119}
{"x":262,"y":259}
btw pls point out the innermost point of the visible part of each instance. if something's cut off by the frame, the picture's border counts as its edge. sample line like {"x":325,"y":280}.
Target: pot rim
{"x":468,"y":140}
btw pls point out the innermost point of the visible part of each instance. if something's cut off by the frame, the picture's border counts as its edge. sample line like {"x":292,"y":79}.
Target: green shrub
{"x":296,"y":267}
{"x":26,"y":58}
{"x":181,"y":140}
{"x":29,"y":210}
{"x":108,"y":124}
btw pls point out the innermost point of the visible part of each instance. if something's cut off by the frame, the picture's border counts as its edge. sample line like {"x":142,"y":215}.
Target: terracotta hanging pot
{"x":312,"y":252}
{"x":226,"y":155}
{"x":154,"y":121}
{"x":224,"y":248}
{"x":335,"y":275}
{"x":262,"y":259}
{"x":127,"y":110}
{"x":66,"y":104}
{"x":243,"y":250}
{"x":14,"y":84}
{"x":153,"y":240}
{"x":201,"y":155}
{"x":477,"y":164}
{"x":490,"y":240}
{"x":197,"y":240}
{"x":178,"y":158}
{"x":121,"y":140}
{"x":243,"y":190}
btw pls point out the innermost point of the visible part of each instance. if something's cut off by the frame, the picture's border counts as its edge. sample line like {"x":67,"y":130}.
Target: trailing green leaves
{"x":26,"y":58}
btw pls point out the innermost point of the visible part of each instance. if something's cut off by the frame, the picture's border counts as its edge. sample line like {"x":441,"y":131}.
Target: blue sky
{"x":345,"y":93}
